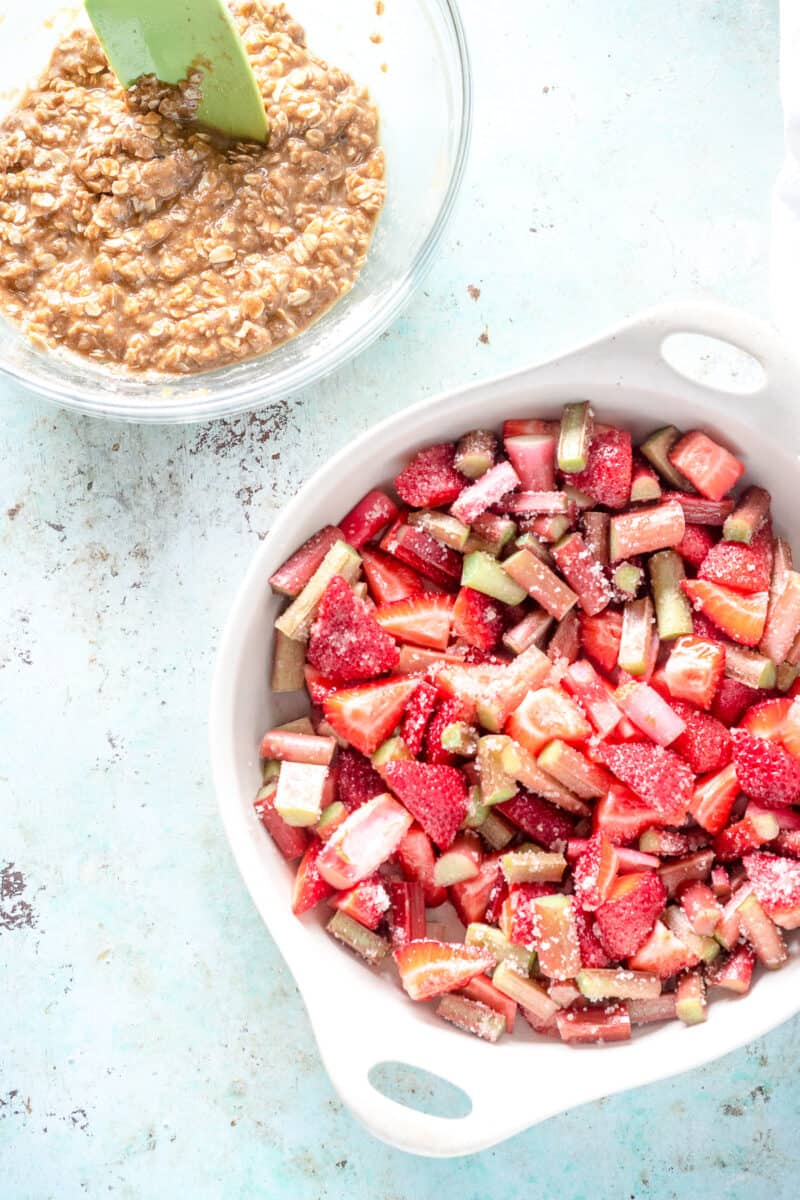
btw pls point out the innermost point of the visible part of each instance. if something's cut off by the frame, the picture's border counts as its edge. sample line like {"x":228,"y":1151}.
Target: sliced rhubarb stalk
{"x":573,"y":769}
{"x":673,"y":612}
{"x":489,"y":489}
{"x":749,"y":667}
{"x":368,"y":518}
{"x":691,"y":1005}
{"x":297,"y":747}
{"x":393,"y":749}
{"x":534,"y":544}
{"x":762,"y":933}
{"x":585,"y":685}
{"x":555,"y":932}
{"x":406,"y":912}
{"x":630,"y":862}
{"x":565,"y":644}
{"x":519,"y":425}
{"x":288,"y":662}
{"x":495,"y":782}
{"x":490,"y":532}
{"x":782,"y":567}
{"x":583,"y":572}
{"x":701,"y":907}
{"x":292,"y":577}
{"x":748,"y":834}
{"x":729,"y":929}
{"x":539,"y":582}
{"x":748,"y":516}
{"x":416,"y":660}
{"x":290,"y":840}
{"x":298,"y":800}
{"x":694,"y":866}
{"x":707,"y":465}
{"x":627,"y":579}
{"x":596,"y":528}
{"x":368,"y":945}
{"x":270,"y":770}
{"x":525,"y":992}
{"x":575,"y":436}
{"x":563,"y":992}
{"x":697,"y":510}
{"x":617,"y":984}
{"x":668,"y":843}
{"x":644,"y":483}
{"x":520,"y":764}
{"x":676,"y":920}
{"x":656,"y":449}
{"x":475,"y":453}
{"x":459,"y":863}
{"x":496,"y":831}
{"x":532,"y":865}
{"x":638,"y":632}
{"x":650,"y":712}
{"x":531,"y":503}
{"x":786,"y":674}
{"x":364,"y":841}
{"x":783,"y":621}
{"x":645,"y":530}
{"x":418,"y":550}
{"x":477,"y":811}
{"x":734,"y":973}
{"x":657,"y":1008}
{"x":446,"y":529}
{"x":472,"y":1017}
{"x":460,"y":738}
{"x":502,"y":694}
{"x":610,"y":1023}
{"x":299,"y":725}
{"x":330,"y":820}
{"x":530,"y":631}
{"x":483,"y":991}
{"x":298,"y":618}
{"x":485,"y":574}
{"x":721,"y":883}
{"x":533,"y":456}
{"x":491,"y":941}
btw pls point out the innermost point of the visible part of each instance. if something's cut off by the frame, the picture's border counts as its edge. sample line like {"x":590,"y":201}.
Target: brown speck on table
{"x":484,"y":338}
{"x":115,"y":446}
{"x":474,"y":292}
{"x":376,"y":38}
{"x":13,"y":512}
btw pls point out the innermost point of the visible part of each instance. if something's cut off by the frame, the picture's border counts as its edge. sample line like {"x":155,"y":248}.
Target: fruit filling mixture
{"x":552,"y":681}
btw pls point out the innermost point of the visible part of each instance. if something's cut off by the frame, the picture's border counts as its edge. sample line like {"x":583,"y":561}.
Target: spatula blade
{"x":167,"y":38}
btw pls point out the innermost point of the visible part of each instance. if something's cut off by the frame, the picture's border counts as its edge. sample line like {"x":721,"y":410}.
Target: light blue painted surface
{"x":151,"y":1042}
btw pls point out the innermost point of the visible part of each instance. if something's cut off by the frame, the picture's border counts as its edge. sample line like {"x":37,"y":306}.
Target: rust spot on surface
{"x":220,"y":437}
{"x":14,"y":512}
{"x":484,"y":338}
{"x":474,"y":292}
{"x":15,"y":911}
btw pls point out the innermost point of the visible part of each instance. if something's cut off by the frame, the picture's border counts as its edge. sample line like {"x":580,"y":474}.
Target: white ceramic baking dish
{"x":361,"y":1019}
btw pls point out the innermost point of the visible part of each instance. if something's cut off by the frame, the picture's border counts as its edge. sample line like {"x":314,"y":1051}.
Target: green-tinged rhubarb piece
{"x":785,"y":675}
{"x":676,"y":920}
{"x":529,"y":864}
{"x":644,"y":530}
{"x":749,"y":667}
{"x":330,"y":818}
{"x":370,"y":946}
{"x":575,"y":436}
{"x":691,"y":1005}
{"x":762,"y":933}
{"x":573,"y":770}
{"x":485,"y":574}
{"x":288,"y":661}
{"x":496,"y":784}
{"x":298,"y":725}
{"x":595,"y":530}
{"x":393,"y":749}
{"x":534,"y":544}
{"x":673,"y":611}
{"x":532,"y":630}
{"x":656,"y":449}
{"x":477,"y":811}
{"x":527,"y":992}
{"x":492,"y":941}
{"x":472,"y":1017}
{"x":526,"y":672}
{"x":496,"y":831}
{"x":298,"y":798}
{"x":298,"y":618}
{"x":535,"y":579}
{"x":638,"y":633}
{"x":749,"y":515}
{"x":475,"y":453}
{"x":490,"y":533}
{"x":617,"y":984}
{"x":521,"y":764}
{"x":577,"y":498}
{"x":460,"y":738}
{"x":446,"y":529}
{"x":627,"y":579}
{"x":270,"y":769}
{"x":456,"y":865}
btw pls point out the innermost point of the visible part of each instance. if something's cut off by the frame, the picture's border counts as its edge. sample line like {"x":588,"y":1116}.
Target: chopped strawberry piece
{"x":488,"y":490}
{"x":423,"y":619}
{"x":663,"y":953}
{"x":541,"y":821}
{"x":368,"y":518}
{"x":626,"y":919}
{"x":609,"y":467}
{"x":600,"y":637}
{"x":388,"y":580}
{"x":470,"y":897}
{"x":695,"y":544}
{"x":291,"y":840}
{"x":783,"y":619}
{"x":435,"y":795}
{"x":740,"y":567}
{"x":709,"y":467}
{"x":517,"y":917}
{"x":546,"y":714}
{"x":418,"y":550}
{"x":319,"y":688}
{"x":583,"y":572}
{"x":363,"y":841}
{"x":309,"y":886}
{"x":366,"y":715}
{"x":594,"y":872}
{"x":694,"y":670}
{"x":767,"y":719}
{"x":584,"y":684}
{"x":292,"y":577}
{"x":430,"y":479}
{"x":446,"y":714}
{"x":346,"y":642}
{"x":429,"y":968}
{"x":533,"y":457}
{"x":418,"y":712}
{"x":742,"y":836}
{"x":776,"y":883}
{"x":741,"y":617}
{"x":621,"y":815}
{"x":356,"y":779}
{"x":734,"y":972}
{"x":705,"y":742}
{"x":592,"y":952}
{"x":766,"y":772}
{"x":732,"y":701}
{"x":417,"y":859}
{"x":367,"y":902}
{"x":478,"y":619}
{"x":660,"y":777}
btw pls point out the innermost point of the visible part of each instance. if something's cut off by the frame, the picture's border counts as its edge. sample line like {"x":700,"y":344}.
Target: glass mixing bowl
{"x":424,"y":98}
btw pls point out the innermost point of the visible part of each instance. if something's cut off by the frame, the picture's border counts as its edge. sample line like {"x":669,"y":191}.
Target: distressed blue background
{"x":151,"y":1042}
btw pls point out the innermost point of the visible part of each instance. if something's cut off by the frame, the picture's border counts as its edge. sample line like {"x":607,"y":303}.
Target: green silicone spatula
{"x":168,"y":38}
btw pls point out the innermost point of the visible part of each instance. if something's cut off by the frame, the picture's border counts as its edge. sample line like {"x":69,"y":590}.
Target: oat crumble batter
{"x":142,"y":242}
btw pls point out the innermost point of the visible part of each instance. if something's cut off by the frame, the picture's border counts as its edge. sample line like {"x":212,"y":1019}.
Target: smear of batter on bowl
{"x":141,"y":241}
